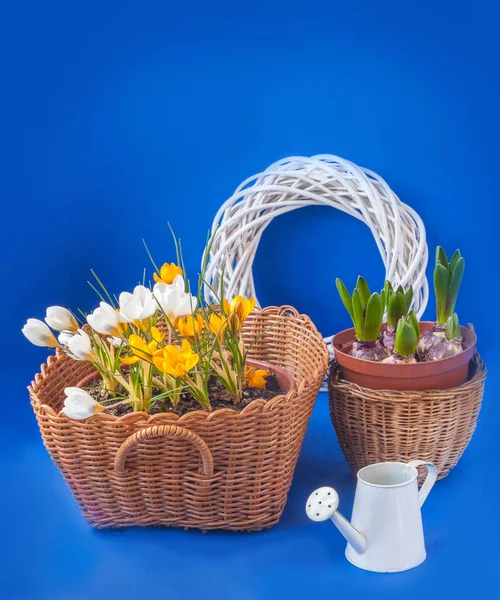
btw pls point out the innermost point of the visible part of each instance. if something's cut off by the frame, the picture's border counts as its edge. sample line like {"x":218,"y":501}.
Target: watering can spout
{"x":322,"y":505}
{"x":356,"y":539}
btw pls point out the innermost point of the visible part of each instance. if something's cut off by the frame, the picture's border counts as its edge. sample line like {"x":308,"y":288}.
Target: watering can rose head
{"x":154,"y":345}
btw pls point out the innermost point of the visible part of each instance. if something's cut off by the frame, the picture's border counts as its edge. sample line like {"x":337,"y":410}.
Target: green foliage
{"x":363,"y":289}
{"x":412,"y":318}
{"x":366,"y":310}
{"x":345,"y":297}
{"x":447,"y":279}
{"x":453,"y":328}
{"x":398,"y":303}
{"x":406,"y":340}
{"x":373,"y":317}
{"x":396,"y":308}
{"x":408,"y":298}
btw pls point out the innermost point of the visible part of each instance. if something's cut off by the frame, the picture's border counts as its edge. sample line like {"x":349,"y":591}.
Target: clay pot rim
{"x":414,"y":365}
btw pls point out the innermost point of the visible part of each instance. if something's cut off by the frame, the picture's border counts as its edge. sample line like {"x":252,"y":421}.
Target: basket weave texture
{"x":219,"y":470}
{"x":383,"y":425}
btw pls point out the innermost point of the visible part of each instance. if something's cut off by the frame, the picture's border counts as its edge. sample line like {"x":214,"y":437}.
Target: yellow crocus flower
{"x":176,"y":361}
{"x":141,"y":349}
{"x":239,"y":309}
{"x":190,"y":326}
{"x":168,"y":273}
{"x":217,"y":324}
{"x":256,"y":377}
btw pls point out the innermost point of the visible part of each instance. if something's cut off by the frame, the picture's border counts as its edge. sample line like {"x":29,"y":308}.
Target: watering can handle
{"x":430,"y":480}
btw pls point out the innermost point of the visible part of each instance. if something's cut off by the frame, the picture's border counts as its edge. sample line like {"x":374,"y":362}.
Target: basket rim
{"x":408,"y":395}
{"x":144,"y":418}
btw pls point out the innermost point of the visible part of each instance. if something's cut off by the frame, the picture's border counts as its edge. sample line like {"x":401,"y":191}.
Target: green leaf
{"x":454,"y":260}
{"x":150,"y":256}
{"x":441,"y":283}
{"x":386,"y":293}
{"x":345,"y":297}
{"x":406,"y":340}
{"x":363,"y":289}
{"x":396,"y":308}
{"x":373,"y":319}
{"x":454,"y":286}
{"x":413,"y":320}
{"x":103,"y":288}
{"x":383,"y":297}
{"x":408,"y":298}
{"x":358,"y":316}
{"x":453,"y":328}
{"x":441,"y":258}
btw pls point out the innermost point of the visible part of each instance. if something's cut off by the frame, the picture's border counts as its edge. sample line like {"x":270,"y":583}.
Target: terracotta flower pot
{"x":433,"y":375}
{"x":285,"y":379}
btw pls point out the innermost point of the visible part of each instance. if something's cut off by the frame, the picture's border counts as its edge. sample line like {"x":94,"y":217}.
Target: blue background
{"x":117,"y":117}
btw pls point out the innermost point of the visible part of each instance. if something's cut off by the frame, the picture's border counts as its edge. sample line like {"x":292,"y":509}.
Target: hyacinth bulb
{"x":433,"y":336}
{"x":450,"y":344}
{"x":372,"y":350}
{"x":387,"y":337}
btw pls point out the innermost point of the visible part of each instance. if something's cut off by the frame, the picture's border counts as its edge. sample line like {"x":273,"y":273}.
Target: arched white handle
{"x":430,"y":480}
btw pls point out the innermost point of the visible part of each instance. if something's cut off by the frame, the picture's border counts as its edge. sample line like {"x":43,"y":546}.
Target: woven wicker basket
{"x":219,"y":470}
{"x":384,"y":425}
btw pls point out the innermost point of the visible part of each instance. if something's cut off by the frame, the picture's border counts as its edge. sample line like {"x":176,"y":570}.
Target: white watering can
{"x":386,"y":534}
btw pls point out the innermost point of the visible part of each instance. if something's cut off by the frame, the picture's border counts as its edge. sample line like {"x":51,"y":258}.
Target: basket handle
{"x":156,"y":431}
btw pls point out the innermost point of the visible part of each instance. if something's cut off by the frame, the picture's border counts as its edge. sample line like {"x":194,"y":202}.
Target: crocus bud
{"x":79,"y":404}
{"x":80,"y":346}
{"x":137,"y":306}
{"x":173,"y":300}
{"x":64,"y":337}
{"x":168,"y":273}
{"x":105,"y":319}
{"x":39,"y":334}
{"x":60,"y":319}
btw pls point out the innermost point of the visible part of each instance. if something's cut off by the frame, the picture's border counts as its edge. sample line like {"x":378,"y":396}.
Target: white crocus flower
{"x":116,"y":341}
{"x":105,"y":319}
{"x":64,"y":337}
{"x":39,"y":334}
{"x":79,"y":404}
{"x":80,"y":346}
{"x":137,"y":306}
{"x":60,"y":319}
{"x":173,"y":300}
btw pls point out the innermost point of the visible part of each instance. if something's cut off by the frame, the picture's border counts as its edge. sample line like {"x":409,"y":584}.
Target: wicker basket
{"x":384,"y":425}
{"x":219,"y":470}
